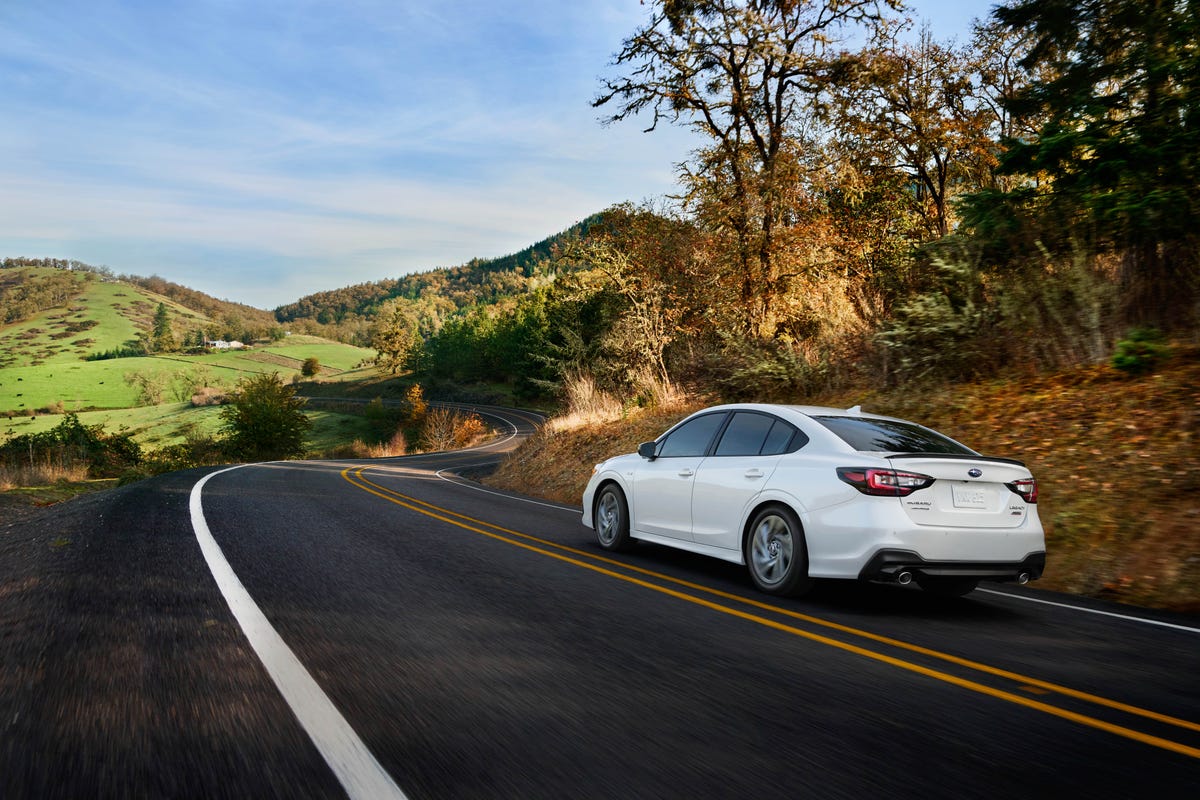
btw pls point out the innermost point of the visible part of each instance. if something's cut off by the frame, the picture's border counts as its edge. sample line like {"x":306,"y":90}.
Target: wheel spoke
{"x":771,"y":549}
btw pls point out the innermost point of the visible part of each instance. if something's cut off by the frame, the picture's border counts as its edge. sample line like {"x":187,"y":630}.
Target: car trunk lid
{"x":967,"y":492}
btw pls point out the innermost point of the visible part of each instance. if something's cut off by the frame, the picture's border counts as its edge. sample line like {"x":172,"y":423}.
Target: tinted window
{"x":783,"y":438}
{"x":891,"y":436}
{"x":745,"y":434}
{"x":692,"y":438}
{"x":752,"y":434}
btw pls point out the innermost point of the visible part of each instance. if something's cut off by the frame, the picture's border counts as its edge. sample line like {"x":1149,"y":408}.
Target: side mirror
{"x":648,"y":450}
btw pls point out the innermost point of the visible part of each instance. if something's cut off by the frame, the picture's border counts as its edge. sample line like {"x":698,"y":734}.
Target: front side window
{"x":692,"y":438}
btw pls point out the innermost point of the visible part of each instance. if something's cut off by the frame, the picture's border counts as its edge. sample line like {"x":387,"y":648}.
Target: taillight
{"x":884,"y":482}
{"x":1027,"y":488}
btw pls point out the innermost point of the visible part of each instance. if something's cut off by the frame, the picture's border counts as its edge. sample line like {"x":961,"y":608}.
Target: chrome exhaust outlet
{"x":904,"y":577}
{"x":1023,"y":578}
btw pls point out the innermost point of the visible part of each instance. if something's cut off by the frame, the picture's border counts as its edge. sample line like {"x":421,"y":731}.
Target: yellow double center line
{"x":594,"y":563}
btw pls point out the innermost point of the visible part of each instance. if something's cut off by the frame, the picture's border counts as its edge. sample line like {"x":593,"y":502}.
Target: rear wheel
{"x":610,"y":517}
{"x":776,"y":554}
{"x":948,"y":587}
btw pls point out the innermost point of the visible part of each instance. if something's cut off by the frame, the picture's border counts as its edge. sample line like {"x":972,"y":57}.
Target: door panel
{"x":723,"y":488}
{"x":663,"y":496}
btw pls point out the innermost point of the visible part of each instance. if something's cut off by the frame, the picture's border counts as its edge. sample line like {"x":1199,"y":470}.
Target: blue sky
{"x":262,"y":150}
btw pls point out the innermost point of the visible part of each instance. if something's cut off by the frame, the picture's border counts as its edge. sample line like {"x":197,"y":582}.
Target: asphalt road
{"x":385,"y":628}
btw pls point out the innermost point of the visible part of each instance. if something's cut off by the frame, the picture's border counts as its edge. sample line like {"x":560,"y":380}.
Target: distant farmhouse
{"x":221,"y":344}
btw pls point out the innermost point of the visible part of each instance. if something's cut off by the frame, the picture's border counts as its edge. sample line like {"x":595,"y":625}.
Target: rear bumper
{"x":888,"y":565}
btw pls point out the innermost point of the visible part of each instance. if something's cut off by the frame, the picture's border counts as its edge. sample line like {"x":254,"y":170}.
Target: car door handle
{"x":686,"y":473}
{"x":754,"y":473}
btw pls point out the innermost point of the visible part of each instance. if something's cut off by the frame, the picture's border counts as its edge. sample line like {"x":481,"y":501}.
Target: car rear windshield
{"x":891,"y":436}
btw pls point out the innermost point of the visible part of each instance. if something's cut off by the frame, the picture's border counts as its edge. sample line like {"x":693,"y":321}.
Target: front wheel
{"x":776,"y":554}
{"x":610,"y":517}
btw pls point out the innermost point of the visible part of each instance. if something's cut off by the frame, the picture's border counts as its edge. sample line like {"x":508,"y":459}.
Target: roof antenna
{"x":854,"y":410}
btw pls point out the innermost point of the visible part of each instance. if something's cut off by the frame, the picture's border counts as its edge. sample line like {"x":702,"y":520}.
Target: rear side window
{"x":752,"y":434}
{"x":891,"y":436}
{"x":692,"y":438}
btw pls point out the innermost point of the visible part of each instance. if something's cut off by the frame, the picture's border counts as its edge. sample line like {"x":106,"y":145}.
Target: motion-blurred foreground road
{"x":380,"y":628}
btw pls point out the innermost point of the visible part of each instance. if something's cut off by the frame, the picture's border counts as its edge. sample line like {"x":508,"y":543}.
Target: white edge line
{"x":1128,"y":617}
{"x":352,"y":763}
{"x":476,"y":487}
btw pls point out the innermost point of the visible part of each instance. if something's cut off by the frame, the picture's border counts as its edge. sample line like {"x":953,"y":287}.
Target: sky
{"x":263,"y":150}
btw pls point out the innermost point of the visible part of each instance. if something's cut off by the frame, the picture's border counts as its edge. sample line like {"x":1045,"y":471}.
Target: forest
{"x":870,"y":206}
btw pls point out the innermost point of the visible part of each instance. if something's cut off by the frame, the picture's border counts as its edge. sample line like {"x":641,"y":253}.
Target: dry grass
{"x":557,"y":462}
{"x":45,"y":474}
{"x":1115,"y":457}
{"x":395,"y":446}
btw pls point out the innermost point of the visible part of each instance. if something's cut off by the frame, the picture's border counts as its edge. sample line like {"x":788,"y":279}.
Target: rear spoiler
{"x":960,"y":457}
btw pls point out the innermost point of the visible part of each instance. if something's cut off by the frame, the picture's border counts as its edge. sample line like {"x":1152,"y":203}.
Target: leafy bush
{"x":196,"y":451}
{"x":69,"y":444}
{"x":265,"y":420}
{"x":1140,"y":352}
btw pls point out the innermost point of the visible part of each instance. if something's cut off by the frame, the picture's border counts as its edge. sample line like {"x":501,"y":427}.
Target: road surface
{"x":385,"y":628}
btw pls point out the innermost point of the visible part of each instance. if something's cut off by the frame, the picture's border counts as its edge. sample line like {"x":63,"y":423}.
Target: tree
{"x":393,"y":334}
{"x":916,"y":110}
{"x":311,"y":367}
{"x":747,"y":76}
{"x":265,"y":420}
{"x":643,"y":260}
{"x":162,"y":340}
{"x":1115,"y":162}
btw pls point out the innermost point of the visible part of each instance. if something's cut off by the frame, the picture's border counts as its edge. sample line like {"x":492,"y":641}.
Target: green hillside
{"x":65,"y":318}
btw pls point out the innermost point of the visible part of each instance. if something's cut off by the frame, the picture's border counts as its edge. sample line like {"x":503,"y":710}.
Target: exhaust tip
{"x":1023,"y":578}
{"x":904,"y":577}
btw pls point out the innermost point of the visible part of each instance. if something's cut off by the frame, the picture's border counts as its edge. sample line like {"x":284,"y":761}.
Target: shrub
{"x":71,"y":446}
{"x":1140,"y":352}
{"x":446,"y":429}
{"x":311,"y":367}
{"x":210,"y":396}
{"x":265,"y":420}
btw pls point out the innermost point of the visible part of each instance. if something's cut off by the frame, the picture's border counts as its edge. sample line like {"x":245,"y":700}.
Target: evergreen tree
{"x":162,"y":339}
{"x":1117,"y":162}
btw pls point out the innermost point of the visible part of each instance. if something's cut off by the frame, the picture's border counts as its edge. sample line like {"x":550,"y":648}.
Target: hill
{"x":345,"y":314}
{"x":76,"y":340}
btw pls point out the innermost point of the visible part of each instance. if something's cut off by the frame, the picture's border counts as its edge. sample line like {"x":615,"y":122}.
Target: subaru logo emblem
{"x":974,"y":473}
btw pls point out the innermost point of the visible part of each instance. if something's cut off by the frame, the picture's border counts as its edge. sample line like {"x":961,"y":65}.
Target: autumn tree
{"x":746,"y":76}
{"x":913,"y":108}
{"x":645,"y":261}
{"x":393,"y":335}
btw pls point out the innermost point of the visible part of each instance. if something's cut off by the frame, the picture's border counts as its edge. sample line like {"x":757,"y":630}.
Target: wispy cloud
{"x":278,"y":147}
{"x":274,"y":147}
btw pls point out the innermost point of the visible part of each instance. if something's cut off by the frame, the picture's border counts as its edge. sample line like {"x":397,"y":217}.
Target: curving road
{"x":385,"y":628}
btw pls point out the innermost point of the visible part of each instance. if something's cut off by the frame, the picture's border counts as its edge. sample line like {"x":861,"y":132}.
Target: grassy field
{"x":43,"y":374}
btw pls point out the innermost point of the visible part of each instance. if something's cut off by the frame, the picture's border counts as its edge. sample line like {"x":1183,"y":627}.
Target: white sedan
{"x":802,"y":492}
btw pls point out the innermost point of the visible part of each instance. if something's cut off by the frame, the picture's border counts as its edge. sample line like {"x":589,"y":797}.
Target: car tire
{"x":610,"y":518}
{"x":948,"y":587}
{"x":776,"y":553}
